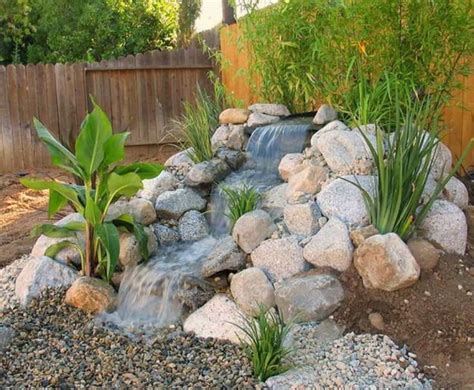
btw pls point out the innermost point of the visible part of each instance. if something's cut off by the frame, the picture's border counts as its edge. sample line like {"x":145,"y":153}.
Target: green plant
{"x":263,"y":342}
{"x":97,"y":150}
{"x":240,"y":200}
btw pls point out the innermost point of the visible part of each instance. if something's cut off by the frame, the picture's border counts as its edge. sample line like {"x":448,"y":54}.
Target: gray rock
{"x":220,"y":137}
{"x":152,"y":188}
{"x":6,"y":336}
{"x":330,"y":247}
{"x":233,"y":158}
{"x":173,"y":204}
{"x":165,"y":235}
{"x":180,"y":162}
{"x":192,"y":226}
{"x":325,"y":115}
{"x":456,"y":192}
{"x":207,"y":172}
{"x":252,"y":290}
{"x":142,"y":210}
{"x":290,"y":164}
{"x":305,"y":183}
{"x":442,"y":162}
{"x":39,"y":274}
{"x":302,"y":219}
{"x":274,"y":200}
{"x":225,"y":256}
{"x":257,"y":120}
{"x":280,"y":258}
{"x":252,"y":228}
{"x":237,"y":137}
{"x":331,"y":126}
{"x":270,"y":109}
{"x":445,"y":224}
{"x":234,"y":115}
{"x":129,"y":254}
{"x":308,"y":297}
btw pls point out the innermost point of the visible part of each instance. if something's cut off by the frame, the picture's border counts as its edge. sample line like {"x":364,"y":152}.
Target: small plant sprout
{"x":240,"y":200}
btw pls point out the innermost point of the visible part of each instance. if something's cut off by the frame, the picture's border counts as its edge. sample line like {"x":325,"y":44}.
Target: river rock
{"x":181,"y":161}
{"x":233,"y":158}
{"x":330,"y":247}
{"x":251,"y":290}
{"x":345,"y":152}
{"x":359,"y":235}
{"x":225,"y":256}
{"x":331,"y":126}
{"x":445,"y":225}
{"x":252,"y":228}
{"x":325,"y":115}
{"x":219,"y":318}
{"x":165,"y":235}
{"x":39,"y":274}
{"x":91,"y":295}
{"x":142,"y":210}
{"x":386,"y":263}
{"x":302,"y":219}
{"x":305,"y":183}
{"x":308,"y":297}
{"x":256,"y":120}
{"x":234,"y":115}
{"x":425,"y":253}
{"x":280,"y":258}
{"x":270,"y":109}
{"x":220,"y":137}
{"x":173,"y":204}
{"x":6,"y":336}
{"x":207,"y":172}
{"x":192,"y":226}
{"x":456,"y":192}
{"x":344,"y":200}
{"x":442,"y":162}
{"x":237,"y":137}
{"x":129,"y":254}
{"x":290,"y":164}
{"x":152,"y":188}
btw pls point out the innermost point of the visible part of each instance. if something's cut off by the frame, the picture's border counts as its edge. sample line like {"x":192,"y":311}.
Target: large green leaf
{"x":49,"y":230}
{"x":56,"y":202}
{"x":96,"y":129}
{"x":123,"y":185}
{"x":92,"y":212}
{"x":109,"y":238}
{"x":114,"y":148}
{"x":144,"y":170}
{"x":62,"y":189}
{"x":54,"y":249}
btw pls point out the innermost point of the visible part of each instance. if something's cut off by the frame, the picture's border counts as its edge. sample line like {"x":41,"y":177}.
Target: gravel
{"x":8,"y":277}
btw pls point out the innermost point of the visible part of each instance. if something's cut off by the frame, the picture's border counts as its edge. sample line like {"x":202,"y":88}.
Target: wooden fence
{"x":458,"y":116}
{"x":141,"y":94}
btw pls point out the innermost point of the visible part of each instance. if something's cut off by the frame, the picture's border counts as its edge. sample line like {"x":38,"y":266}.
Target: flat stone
{"x":270,"y":109}
{"x":234,"y":115}
{"x":257,"y":119}
{"x":456,"y":192}
{"x":252,"y":228}
{"x":173,"y":204}
{"x":274,"y":200}
{"x":91,"y":295}
{"x":302,"y":219}
{"x":325,"y":115}
{"x":192,"y":226}
{"x":290,"y":164}
{"x":207,"y":172}
{"x":426,"y":254}
{"x":306,"y":182}
{"x":225,"y":256}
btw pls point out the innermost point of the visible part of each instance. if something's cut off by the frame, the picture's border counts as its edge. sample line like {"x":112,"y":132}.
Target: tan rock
{"x":426,"y":254}
{"x":290,"y":164}
{"x":306,"y":182}
{"x":359,"y":235}
{"x":234,"y":115}
{"x":91,"y":295}
{"x":252,"y":228}
{"x":376,"y":320}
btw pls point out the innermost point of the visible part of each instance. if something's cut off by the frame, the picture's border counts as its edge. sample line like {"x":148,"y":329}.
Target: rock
{"x":69,"y":255}
{"x":306,"y":182}
{"x":369,"y":130}
{"x":251,"y":290}
{"x":39,"y":274}
{"x":330,"y":247}
{"x":152,"y":188}
{"x":345,"y":152}
{"x":234,"y":115}
{"x":192,"y":226}
{"x":376,"y":320}
{"x":344,"y":200}
{"x":180,"y":161}
{"x":425,"y":253}
{"x":274,"y":200}
{"x":302,"y":219}
{"x":359,"y":235}
{"x":331,"y":126}
{"x":257,"y":120}
{"x":308,"y":297}
{"x":220,"y":137}
{"x":142,"y":210}
{"x":233,"y":158}
{"x":237,"y":137}
{"x":270,"y":109}
{"x":165,"y":235}
{"x":280,"y":258}
{"x":442,"y":162}
{"x":386,"y":263}
{"x":207,"y":172}
{"x":456,"y":192}
{"x":252,"y":228}
{"x":116,"y":279}
{"x":469,"y":213}
{"x":445,"y":225}
{"x":173,"y":204}
{"x":91,"y":295}
{"x":218,"y":319}
{"x":225,"y":256}
{"x":129,"y":254}
{"x":6,"y":336}
{"x":290,"y":164}
{"x":325,"y":115}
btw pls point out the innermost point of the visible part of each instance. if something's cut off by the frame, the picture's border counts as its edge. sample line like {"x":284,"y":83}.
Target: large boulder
{"x":192,"y":226}
{"x":252,"y":228}
{"x":456,"y":192}
{"x":270,"y":109}
{"x":445,"y":224}
{"x":152,"y":188}
{"x":180,"y":162}
{"x":252,"y":290}
{"x":442,"y":162}
{"x":173,"y":204}
{"x":165,"y":235}
{"x":331,"y":126}
{"x":302,"y":219}
{"x":345,"y":152}
{"x":309,"y":297}
{"x":219,"y":318}
{"x":142,"y":210}
{"x":91,"y":295}
{"x":234,"y":115}
{"x":306,"y":182}
{"x":325,"y":115}
{"x":274,"y":200}
{"x":225,"y":256}
{"x":280,"y":258}
{"x":207,"y":172}
{"x":344,"y":200}
{"x":256,"y":120}
{"x":385,"y":262}
{"x":129,"y":254}
{"x":330,"y":247}
{"x":290,"y":164}
{"x":39,"y":274}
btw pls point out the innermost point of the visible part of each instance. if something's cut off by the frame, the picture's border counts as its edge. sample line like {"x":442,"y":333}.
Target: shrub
{"x":97,"y":151}
{"x":240,"y":200}
{"x":264,"y":343}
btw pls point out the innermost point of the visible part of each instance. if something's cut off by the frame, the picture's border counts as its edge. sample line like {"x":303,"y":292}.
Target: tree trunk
{"x":228,"y":14}
{"x":90,"y":255}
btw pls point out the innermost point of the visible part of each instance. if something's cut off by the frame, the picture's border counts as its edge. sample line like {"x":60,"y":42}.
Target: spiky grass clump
{"x":240,"y":200}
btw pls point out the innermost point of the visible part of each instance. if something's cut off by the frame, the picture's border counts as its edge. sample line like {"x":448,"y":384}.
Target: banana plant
{"x":94,"y":163}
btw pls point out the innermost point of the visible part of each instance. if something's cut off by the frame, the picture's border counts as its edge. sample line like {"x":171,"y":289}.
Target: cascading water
{"x":156,"y":293}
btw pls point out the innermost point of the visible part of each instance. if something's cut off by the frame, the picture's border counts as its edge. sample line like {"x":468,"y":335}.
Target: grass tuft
{"x":240,"y":200}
